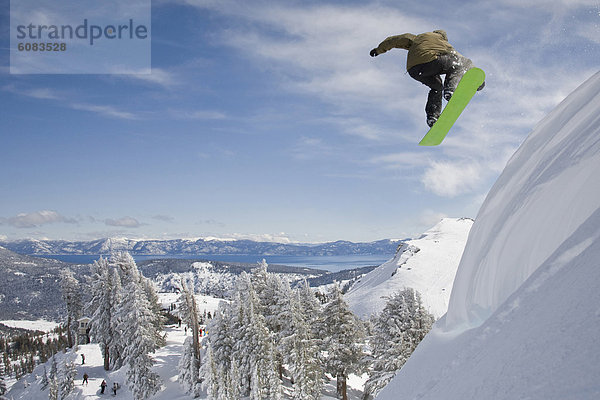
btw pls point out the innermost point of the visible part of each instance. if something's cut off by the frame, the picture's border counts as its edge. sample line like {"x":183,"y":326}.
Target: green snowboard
{"x":465,"y":90}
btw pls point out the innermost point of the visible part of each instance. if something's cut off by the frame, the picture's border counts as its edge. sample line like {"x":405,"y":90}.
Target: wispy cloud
{"x":212,"y":222}
{"x":154,"y":76}
{"x":163,"y":218}
{"x":36,"y":93}
{"x":197,"y":114}
{"x":53,"y":95}
{"x":401,"y":160}
{"x":126,"y":222}
{"x":308,"y":147}
{"x":36,"y":219}
{"x":430,"y":218}
{"x":107,"y":111}
{"x":281,"y":237}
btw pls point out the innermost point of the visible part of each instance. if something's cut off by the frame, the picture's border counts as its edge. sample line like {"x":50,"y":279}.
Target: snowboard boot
{"x":448,"y":93}
{"x":431,"y":120}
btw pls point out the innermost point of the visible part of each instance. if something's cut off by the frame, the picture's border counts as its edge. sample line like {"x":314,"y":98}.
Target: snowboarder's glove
{"x":374,"y":53}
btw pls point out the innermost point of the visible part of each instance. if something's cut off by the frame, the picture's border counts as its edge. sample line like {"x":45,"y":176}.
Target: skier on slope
{"x":429,"y":56}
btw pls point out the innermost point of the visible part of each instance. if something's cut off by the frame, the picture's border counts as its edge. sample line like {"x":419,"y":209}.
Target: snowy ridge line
{"x":427,"y":264}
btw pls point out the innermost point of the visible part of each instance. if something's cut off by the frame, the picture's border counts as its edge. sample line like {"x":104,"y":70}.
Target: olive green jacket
{"x":421,"y":48}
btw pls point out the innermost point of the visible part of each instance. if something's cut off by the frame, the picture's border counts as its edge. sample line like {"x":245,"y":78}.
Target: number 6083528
{"x":41,"y":46}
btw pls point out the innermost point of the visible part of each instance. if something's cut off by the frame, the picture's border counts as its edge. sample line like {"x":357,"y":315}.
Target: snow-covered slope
{"x":524,"y":315}
{"x":427,"y":264}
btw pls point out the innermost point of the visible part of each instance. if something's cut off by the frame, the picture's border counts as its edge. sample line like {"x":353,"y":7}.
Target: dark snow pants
{"x":453,"y":65}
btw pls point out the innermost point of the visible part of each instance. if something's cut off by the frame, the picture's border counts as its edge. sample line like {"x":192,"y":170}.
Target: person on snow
{"x":103,"y":386}
{"x":429,"y":56}
{"x":85,"y":379}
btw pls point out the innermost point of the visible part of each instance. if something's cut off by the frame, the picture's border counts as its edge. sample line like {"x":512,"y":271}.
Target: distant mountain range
{"x":197,"y":247}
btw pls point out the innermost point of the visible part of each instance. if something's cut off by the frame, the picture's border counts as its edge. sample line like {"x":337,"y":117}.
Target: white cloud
{"x":308,"y":148}
{"x":590,"y":31}
{"x":452,"y":178}
{"x":553,"y":5}
{"x":157,"y":76}
{"x":198,"y":114}
{"x":402,"y":160}
{"x":128,"y":222}
{"x":36,"y":93}
{"x":164,"y":218}
{"x":212,"y":222}
{"x":430,"y":218}
{"x":107,"y":111}
{"x":281,"y":237}
{"x":50,"y":94}
{"x":37,"y":218}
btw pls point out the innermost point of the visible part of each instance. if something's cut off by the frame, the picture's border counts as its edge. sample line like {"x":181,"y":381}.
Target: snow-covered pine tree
{"x":220,"y":339}
{"x":135,"y":322}
{"x":399,"y":328}
{"x":190,"y":363}
{"x":259,"y":278}
{"x":53,"y":369}
{"x":265,"y":384}
{"x":239,"y":326}
{"x":230,"y":383}
{"x":53,"y":390}
{"x":158,"y":320}
{"x":137,"y":312}
{"x":421,"y":322}
{"x":117,"y":341}
{"x":311,"y":307}
{"x":71,"y":294}
{"x":344,"y":334}
{"x":2,"y":380}
{"x":269,"y":289}
{"x":252,"y":342}
{"x":189,"y":374}
{"x":67,"y":377}
{"x":44,"y":380}
{"x":126,"y":266}
{"x":101,"y":307}
{"x":302,"y":352}
{"x":273,"y":295}
{"x":211,"y":373}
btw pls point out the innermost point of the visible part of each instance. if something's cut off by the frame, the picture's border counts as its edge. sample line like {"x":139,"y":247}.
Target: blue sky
{"x":269,"y":120}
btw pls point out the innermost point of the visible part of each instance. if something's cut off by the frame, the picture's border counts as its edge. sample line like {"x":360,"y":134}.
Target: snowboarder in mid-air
{"x":429,"y":56}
